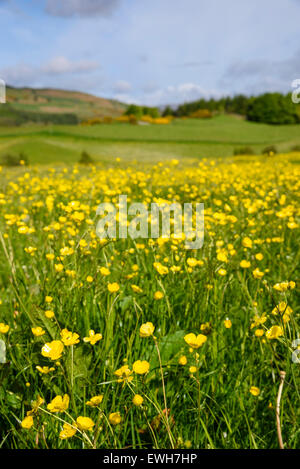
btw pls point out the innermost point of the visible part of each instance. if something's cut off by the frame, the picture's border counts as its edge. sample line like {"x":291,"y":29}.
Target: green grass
{"x":190,"y":138}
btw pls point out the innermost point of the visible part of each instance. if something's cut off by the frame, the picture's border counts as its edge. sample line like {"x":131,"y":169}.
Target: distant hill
{"x":54,"y":105}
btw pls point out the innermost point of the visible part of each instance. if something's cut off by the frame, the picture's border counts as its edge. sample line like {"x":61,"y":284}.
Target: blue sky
{"x":151,"y":52}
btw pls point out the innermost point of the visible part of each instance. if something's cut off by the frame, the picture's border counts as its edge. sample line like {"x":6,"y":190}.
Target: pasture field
{"x":190,"y":138}
{"x":142,"y":343}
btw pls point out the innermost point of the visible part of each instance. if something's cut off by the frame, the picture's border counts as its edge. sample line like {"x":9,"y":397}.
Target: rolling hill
{"x":54,"y":105}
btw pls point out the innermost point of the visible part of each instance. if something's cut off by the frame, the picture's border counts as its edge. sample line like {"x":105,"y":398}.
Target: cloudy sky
{"x":151,"y":52}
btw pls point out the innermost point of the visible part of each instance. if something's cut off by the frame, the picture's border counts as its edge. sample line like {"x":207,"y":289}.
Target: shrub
{"x":243,"y":151}
{"x":85,"y":158}
{"x":295,"y":148}
{"x":202,"y":114}
{"x":14,"y":160}
{"x":270,"y":150}
{"x":272,"y":108}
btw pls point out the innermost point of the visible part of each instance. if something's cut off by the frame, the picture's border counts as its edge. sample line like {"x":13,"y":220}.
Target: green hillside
{"x":188,"y":138}
{"x":53,"y":105}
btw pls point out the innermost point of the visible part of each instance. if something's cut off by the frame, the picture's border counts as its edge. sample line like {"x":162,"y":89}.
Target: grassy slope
{"x":60,"y":101}
{"x":183,"y":138}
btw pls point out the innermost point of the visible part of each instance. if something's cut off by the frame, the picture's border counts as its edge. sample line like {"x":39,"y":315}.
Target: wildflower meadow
{"x":140,"y":342}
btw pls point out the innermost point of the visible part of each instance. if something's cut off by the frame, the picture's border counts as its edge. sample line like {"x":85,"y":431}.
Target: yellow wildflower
{"x":53,"y":350}
{"x":195,"y":341}
{"x":147,"y":329}
{"x":141,"y":367}
{"x":84,"y":423}
{"x":59,"y":404}
{"x":92,"y":338}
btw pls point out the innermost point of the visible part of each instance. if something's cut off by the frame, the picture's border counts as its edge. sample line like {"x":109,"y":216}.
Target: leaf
{"x":125,"y":303}
{"x":13,"y":400}
{"x":169,"y":346}
{"x":81,"y":364}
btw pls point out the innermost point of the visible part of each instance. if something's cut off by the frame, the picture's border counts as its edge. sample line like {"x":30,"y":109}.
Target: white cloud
{"x":84,"y":8}
{"x":58,"y":67}
{"x":172,"y":94}
{"x":121,"y":87}
{"x":176,"y":94}
{"x":261,"y":75}
{"x":61,"y":65}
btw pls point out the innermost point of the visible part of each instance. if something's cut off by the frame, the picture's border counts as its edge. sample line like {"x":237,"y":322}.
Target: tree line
{"x":270,"y":108}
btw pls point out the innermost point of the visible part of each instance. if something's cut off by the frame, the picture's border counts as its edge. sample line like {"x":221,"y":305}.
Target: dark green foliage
{"x":269,"y":149}
{"x":234,"y":105}
{"x":86,"y":158}
{"x":14,"y":160}
{"x":270,"y":108}
{"x":10,"y":116}
{"x":273,"y":108}
{"x":243,"y":151}
{"x":139,"y":111}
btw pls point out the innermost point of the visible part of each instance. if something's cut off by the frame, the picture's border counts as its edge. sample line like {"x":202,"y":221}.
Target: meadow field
{"x":189,"y":138}
{"x":142,"y":343}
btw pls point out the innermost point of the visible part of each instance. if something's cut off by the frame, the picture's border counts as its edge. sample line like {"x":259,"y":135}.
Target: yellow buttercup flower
{"x":92,"y":338}
{"x":58,"y":267}
{"x":49,"y":314}
{"x":227,"y":323}
{"x":44,"y":369}
{"x":147,"y":329}
{"x":245,"y":264}
{"x":259,"y":256}
{"x":247,"y":242}
{"x":84,"y":423}
{"x":182,"y":360}
{"x":35,"y":405}
{"x":104,"y":271}
{"x":141,"y":367}
{"x":195,"y":341}
{"x":257,"y":273}
{"x":137,"y":400}
{"x":95,"y":400}
{"x":192,"y":262}
{"x":158,"y":295}
{"x":161,"y":269}
{"x":53,"y":349}
{"x":274,"y":332}
{"x":281,"y":287}
{"x":38,"y":331}
{"x":258,"y":320}
{"x":115,"y":418}
{"x":113,"y":287}
{"x":59,"y":404}
{"x":254,"y":391}
{"x":27,"y":422}
{"x":124,"y":374}
{"x":69,"y":338}
{"x":4,"y":328}
{"x":222,"y":272}
{"x":67,"y":432}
